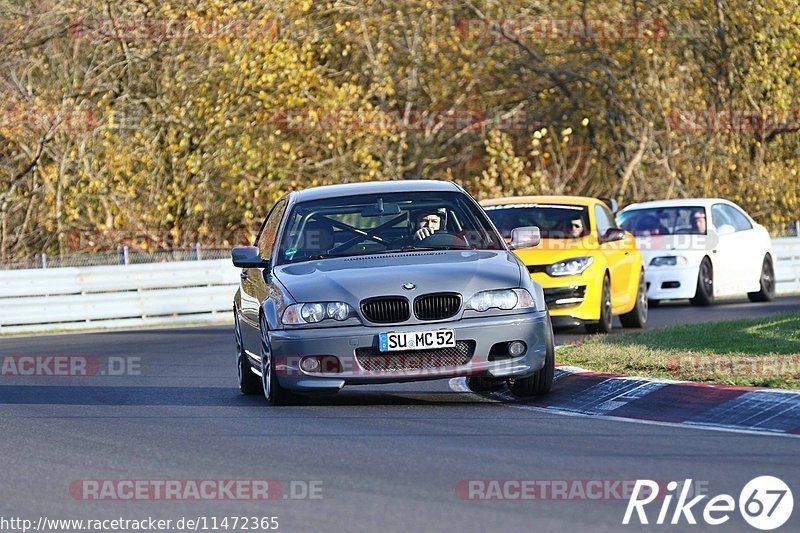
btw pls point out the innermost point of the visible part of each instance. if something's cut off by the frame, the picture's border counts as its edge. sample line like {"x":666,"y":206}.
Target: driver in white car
{"x":699,"y":222}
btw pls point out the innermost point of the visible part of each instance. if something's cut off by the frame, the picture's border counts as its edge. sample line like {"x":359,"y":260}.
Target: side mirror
{"x":725,"y":229}
{"x":525,"y":237}
{"x":248,"y":257}
{"x":612,"y":234}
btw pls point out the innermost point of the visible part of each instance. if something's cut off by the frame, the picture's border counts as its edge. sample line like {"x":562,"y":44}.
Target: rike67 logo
{"x":765,"y":503}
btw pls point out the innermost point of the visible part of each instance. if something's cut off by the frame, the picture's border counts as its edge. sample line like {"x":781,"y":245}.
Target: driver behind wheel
{"x":427,"y":222}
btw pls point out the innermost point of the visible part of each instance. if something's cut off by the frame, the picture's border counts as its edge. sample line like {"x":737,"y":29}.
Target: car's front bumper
{"x":671,"y":282}
{"x":572,"y":297}
{"x":290,"y":346}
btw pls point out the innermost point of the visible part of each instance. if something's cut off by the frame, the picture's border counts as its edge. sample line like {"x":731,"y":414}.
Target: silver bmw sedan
{"x":387,"y":282}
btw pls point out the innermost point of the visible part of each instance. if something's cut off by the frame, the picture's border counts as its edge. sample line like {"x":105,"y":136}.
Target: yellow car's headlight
{"x":570,"y":267}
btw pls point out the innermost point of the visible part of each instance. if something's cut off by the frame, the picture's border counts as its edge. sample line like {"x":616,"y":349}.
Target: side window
{"x":720,"y":217}
{"x":740,"y":221}
{"x":602,"y":219}
{"x":269,"y":232}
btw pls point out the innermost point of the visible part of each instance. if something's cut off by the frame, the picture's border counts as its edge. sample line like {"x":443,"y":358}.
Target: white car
{"x":688,"y":257}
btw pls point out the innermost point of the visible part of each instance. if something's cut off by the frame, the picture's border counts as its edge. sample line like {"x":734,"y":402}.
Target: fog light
{"x":516,"y":348}
{"x":310,"y":364}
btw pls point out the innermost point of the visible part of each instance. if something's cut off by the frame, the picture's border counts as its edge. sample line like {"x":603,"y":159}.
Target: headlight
{"x":311,"y":313}
{"x":668,"y":260}
{"x":570,"y":267}
{"x":502,"y":299}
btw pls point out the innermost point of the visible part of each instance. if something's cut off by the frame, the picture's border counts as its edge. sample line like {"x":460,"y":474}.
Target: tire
{"x":653,"y":303}
{"x":767,"y":280}
{"x":273,"y":391}
{"x":605,"y":323}
{"x":476,"y":384}
{"x":704,"y":295}
{"x":249,"y":383}
{"x":540,"y":382}
{"x":637,"y":317}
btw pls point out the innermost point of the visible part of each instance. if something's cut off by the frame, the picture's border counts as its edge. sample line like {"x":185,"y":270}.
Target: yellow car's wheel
{"x":605,"y":323}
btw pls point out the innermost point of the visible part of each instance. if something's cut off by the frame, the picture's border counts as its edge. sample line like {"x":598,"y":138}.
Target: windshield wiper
{"x":406,"y":249}
{"x":410,"y":249}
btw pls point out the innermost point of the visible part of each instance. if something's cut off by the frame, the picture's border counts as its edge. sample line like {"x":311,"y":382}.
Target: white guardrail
{"x":116,"y":296}
{"x":173,"y":293}
{"x":787,"y":264}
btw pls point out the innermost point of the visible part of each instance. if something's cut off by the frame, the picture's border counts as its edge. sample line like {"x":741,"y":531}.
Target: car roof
{"x":678,"y":202}
{"x":374,"y":187}
{"x":566,"y":200}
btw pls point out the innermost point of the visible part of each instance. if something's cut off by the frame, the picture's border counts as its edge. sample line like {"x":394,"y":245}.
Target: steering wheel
{"x":444,"y":239}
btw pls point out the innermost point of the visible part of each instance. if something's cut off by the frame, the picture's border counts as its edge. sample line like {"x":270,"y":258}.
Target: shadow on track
{"x":214,"y":397}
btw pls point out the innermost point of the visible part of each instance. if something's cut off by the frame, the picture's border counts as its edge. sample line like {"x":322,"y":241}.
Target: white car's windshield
{"x":683,"y":220}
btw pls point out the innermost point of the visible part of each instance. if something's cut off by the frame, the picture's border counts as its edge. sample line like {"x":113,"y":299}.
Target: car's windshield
{"x":382,"y":223}
{"x":554,"y":221}
{"x":682,"y":220}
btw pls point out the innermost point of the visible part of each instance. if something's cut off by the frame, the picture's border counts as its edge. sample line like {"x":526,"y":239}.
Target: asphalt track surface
{"x":388,"y":458}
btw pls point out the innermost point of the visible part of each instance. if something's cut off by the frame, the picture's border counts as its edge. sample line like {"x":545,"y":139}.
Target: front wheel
{"x":637,"y":317}
{"x":605,"y":323}
{"x":767,"y":280}
{"x":274,"y":392}
{"x":540,"y":382}
{"x":704,"y":295}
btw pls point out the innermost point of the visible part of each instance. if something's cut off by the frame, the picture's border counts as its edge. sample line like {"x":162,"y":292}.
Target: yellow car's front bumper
{"x":576,"y":297}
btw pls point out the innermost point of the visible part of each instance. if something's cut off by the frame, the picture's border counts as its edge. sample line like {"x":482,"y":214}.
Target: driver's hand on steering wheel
{"x":423,"y":233}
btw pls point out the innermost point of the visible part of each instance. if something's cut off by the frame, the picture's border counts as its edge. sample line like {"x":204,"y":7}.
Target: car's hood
{"x":352,"y":279}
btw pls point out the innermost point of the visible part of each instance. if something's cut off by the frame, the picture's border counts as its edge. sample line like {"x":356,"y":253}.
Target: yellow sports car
{"x":590,"y":269}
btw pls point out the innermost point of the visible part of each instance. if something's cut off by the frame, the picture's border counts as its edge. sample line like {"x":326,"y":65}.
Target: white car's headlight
{"x":501,"y":299}
{"x":668,"y":260}
{"x":570,"y":267}
{"x":311,"y":313}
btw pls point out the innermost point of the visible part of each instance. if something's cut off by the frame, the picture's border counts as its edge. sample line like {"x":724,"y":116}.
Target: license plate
{"x":417,"y":340}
